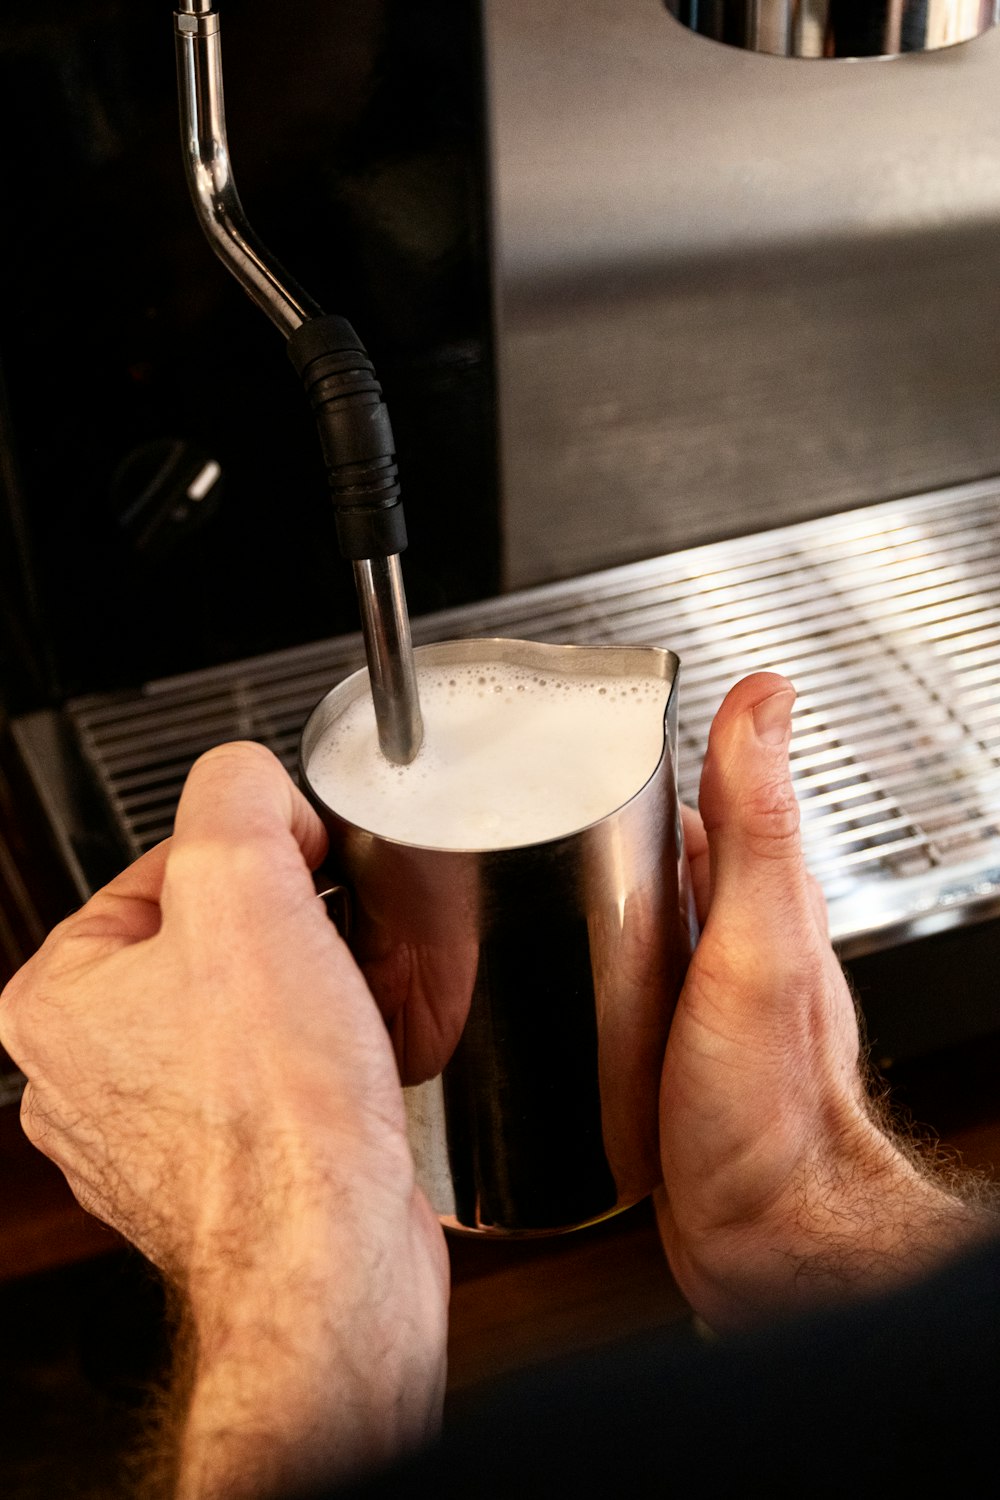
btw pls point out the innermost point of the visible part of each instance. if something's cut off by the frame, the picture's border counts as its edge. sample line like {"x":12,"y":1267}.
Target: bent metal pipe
{"x":379,"y":579}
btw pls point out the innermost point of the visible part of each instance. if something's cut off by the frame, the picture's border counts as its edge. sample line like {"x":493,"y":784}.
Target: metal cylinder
{"x":837,"y":28}
{"x":528,"y":991}
{"x":385,"y":624}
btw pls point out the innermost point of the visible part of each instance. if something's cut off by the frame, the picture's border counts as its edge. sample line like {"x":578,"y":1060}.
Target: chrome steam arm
{"x":338,"y":377}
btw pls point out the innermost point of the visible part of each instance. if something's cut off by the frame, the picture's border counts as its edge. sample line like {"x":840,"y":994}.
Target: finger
{"x":696,"y":849}
{"x":240,"y":807}
{"x":751,"y":816}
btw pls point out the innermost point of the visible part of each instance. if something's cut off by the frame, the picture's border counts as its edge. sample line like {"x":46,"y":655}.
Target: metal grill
{"x":887,"y":619}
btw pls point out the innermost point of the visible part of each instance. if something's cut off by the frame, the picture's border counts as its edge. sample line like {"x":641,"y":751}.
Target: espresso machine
{"x":684,"y":343}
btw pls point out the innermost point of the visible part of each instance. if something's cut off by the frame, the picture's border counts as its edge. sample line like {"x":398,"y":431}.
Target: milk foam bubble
{"x":510,"y":756}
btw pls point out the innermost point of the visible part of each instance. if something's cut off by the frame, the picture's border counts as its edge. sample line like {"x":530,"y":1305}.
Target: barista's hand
{"x":780,"y":1187}
{"x":209,"y":1070}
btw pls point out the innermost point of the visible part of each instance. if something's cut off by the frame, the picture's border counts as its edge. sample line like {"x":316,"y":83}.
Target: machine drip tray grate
{"x":887,"y":619}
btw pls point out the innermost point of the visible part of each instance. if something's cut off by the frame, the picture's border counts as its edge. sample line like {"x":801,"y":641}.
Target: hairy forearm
{"x":886,"y":1219}
{"x":851,"y":1223}
{"x":281,"y":1396}
{"x":301,"y":1357}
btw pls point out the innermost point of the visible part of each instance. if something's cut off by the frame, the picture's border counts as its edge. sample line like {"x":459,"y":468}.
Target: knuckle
{"x":770,"y":820}
{"x":10,"y":1004}
{"x":21,"y":997}
{"x":230,"y":758}
{"x":34,"y":1121}
{"x":198,"y":865}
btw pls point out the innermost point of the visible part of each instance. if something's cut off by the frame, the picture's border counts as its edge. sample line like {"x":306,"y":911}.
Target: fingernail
{"x":772,"y":718}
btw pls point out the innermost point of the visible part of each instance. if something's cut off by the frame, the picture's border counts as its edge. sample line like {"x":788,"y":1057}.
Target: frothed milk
{"x":510,"y":756}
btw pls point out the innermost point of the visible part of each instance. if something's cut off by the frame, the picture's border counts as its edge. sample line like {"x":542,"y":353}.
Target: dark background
{"x":126,"y":350}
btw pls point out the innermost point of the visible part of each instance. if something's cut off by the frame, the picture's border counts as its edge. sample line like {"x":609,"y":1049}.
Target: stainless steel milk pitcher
{"x":528,"y":991}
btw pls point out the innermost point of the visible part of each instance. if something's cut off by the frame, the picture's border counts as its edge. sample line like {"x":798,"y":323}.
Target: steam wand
{"x":338,"y":377}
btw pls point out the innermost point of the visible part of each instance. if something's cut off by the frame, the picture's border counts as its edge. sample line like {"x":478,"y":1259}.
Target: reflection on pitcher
{"x":638,"y":973}
{"x":520,"y":911}
{"x":424,"y":991}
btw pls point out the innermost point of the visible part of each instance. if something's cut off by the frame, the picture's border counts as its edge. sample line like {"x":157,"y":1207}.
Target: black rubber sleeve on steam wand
{"x":355,"y":434}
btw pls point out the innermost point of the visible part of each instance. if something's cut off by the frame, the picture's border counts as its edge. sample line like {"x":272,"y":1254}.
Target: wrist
{"x":855,"y":1216}
{"x":316,"y":1344}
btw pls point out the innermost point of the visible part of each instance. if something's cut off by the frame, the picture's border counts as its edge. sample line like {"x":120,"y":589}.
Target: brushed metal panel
{"x":733,"y":291}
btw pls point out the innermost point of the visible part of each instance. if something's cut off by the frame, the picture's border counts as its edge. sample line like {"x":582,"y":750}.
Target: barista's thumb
{"x":761,"y":894}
